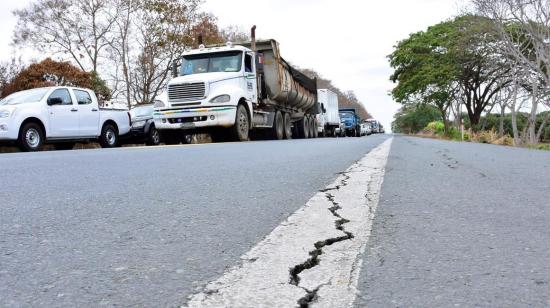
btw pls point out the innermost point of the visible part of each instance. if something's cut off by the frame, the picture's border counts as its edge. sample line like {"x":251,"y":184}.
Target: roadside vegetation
{"x":485,"y":73}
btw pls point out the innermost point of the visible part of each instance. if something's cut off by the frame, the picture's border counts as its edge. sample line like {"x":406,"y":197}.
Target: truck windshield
{"x":27,"y":96}
{"x":346,"y":115}
{"x":211,"y":63}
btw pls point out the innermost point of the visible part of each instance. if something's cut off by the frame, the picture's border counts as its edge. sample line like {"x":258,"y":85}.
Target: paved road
{"x":460,"y":224}
{"x":148,"y":227}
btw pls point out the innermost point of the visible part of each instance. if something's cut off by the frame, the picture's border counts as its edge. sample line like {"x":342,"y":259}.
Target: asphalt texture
{"x":147,"y":227}
{"x":460,"y":225}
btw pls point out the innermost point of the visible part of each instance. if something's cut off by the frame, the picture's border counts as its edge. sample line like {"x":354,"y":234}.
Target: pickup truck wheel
{"x":109,"y":136}
{"x":288,"y":126}
{"x":278,"y":130}
{"x":31,"y":138}
{"x":154,"y":136}
{"x":241,"y":129}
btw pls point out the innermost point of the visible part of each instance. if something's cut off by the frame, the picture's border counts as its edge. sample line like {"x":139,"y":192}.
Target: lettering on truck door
{"x":250,"y":77}
{"x":63,"y":114}
{"x":88,"y":113}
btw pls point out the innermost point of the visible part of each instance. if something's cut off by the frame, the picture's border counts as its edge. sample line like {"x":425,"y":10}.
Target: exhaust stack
{"x":253,"y":38}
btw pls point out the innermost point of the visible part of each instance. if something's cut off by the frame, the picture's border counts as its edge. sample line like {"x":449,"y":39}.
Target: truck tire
{"x":153,"y":137}
{"x":109,"y":136}
{"x":31,"y":138}
{"x":278,"y":130}
{"x":288,"y":126}
{"x":241,"y":129}
{"x":302,"y":128}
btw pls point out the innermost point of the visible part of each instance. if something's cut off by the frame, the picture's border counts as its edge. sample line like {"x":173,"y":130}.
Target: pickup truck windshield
{"x":211,"y":63}
{"x":27,"y":96}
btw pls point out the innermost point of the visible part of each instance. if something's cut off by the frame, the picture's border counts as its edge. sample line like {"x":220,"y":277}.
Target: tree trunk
{"x":515,"y":124}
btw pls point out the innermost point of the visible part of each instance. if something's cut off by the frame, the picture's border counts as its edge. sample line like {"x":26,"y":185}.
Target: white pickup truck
{"x":59,"y":115}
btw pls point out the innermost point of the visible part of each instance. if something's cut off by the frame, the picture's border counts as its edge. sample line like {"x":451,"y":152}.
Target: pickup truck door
{"x":88,"y":113}
{"x":250,"y":79}
{"x":63,"y":114}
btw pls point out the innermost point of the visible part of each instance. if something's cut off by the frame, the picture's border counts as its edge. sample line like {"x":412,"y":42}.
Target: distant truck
{"x":231,"y":90}
{"x":352,"y":122}
{"x":59,"y":115}
{"x":328,"y":119}
{"x":376,"y":126}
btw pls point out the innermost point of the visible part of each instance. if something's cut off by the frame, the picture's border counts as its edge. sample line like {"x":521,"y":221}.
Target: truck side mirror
{"x":55,"y":101}
{"x":175,"y":68}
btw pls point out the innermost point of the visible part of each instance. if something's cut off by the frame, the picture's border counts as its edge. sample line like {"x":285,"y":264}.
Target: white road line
{"x":329,"y":279}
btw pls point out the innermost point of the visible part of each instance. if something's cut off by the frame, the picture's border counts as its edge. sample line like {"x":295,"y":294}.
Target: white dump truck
{"x":59,"y":115}
{"x":328,"y":119}
{"x":232,"y":90}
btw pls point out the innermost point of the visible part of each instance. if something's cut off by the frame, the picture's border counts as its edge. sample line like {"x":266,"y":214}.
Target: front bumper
{"x":193,"y":118}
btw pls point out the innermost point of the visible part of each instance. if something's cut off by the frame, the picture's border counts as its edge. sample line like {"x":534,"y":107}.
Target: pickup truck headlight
{"x":4,"y":113}
{"x":221,"y":99}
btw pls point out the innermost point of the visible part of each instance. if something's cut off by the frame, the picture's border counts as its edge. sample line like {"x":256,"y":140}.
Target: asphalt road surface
{"x":457,"y":224}
{"x":460,"y":225}
{"x":148,"y":227}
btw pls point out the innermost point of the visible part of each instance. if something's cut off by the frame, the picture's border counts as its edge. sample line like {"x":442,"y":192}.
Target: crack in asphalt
{"x":311,"y":295}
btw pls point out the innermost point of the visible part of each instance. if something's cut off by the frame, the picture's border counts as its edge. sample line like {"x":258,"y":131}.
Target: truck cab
{"x":210,"y":85}
{"x":352,"y":122}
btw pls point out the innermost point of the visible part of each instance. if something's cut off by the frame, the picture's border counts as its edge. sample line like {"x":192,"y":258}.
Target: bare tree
{"x":524,"y":31}
{"x":73,"y":28}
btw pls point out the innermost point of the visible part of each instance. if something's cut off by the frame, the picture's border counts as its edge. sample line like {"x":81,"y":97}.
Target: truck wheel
{"x":241,"y":129}
{"x":288,"y":126}
{"x":31,"y":138}
{"x":278,"y":129}
{"x":109,"y":136}
{"x":302,"y":128}
{"x":154,"y":136}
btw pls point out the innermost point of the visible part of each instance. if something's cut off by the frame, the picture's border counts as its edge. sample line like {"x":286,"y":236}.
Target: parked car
{"x":59,"y":115}
{"x":143,"y":126}
{"x":365,"y":129}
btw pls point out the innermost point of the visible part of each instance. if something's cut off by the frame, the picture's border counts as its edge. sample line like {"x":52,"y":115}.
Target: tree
{"x":446,"y":63}
{"x":411,"y":119}
{"x":52,"y":73}
{"x":524,"y":31}
{"x":79,"y":29}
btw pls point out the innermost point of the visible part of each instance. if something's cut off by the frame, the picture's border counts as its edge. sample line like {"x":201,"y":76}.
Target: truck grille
{"x":186,"y":91}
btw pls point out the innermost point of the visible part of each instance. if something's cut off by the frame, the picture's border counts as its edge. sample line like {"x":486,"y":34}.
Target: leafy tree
{"x":52,"y":73}
{"x":411,"y":119}
{"x":449,"y":62}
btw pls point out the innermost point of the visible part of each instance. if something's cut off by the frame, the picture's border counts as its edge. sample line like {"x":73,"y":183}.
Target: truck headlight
{"x":221,"y":99}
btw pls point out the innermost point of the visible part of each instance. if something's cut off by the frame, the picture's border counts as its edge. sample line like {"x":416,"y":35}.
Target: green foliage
{"x":436,"y":127}
{"x":412,"y":119}
{"x":430,"y":65}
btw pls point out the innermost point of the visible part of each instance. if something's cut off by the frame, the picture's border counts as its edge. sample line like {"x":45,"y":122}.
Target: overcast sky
{"x":346,"y":41}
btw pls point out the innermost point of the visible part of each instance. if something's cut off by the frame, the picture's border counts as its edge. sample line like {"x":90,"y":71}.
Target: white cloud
{"x":346,"y":41}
